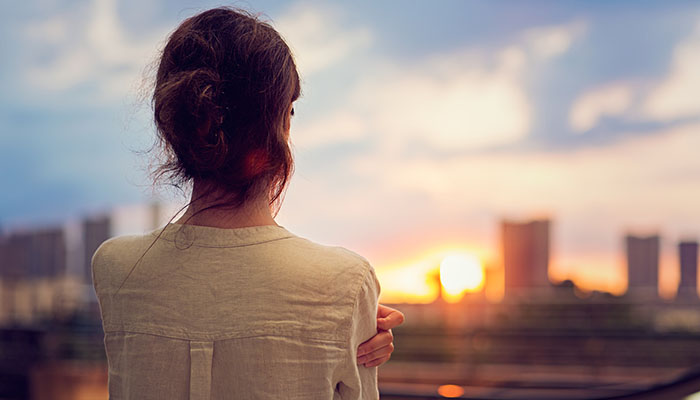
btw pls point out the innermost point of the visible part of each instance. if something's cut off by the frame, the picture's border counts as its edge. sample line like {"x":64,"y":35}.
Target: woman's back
{"x":252,"y":312}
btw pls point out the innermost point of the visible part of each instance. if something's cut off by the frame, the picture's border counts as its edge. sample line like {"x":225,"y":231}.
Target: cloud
{"x":53,"y":30}
{"x":676,"y":95}
{"x":521,"y":182}
{"x":96,"y":53}
{"x":466,"y":99}
{"x":338,"y":127}
{"x":551,"y":41}
{"x":460,"y":100}
{"x":461,"y":106}
{"x":608,"y":100}
{"x":456,"y":106}
{"x":315,"y":36}
{"x":667,"y":99}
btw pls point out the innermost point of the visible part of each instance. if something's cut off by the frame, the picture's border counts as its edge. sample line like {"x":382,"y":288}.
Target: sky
{"x":421,"y":126}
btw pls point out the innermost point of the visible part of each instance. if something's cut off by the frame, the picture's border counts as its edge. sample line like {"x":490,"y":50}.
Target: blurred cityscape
{"x":547,"y":341}
{"x":543,"y":340}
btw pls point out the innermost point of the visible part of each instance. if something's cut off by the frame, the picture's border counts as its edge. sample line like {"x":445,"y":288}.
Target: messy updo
{"x":224,"y":85}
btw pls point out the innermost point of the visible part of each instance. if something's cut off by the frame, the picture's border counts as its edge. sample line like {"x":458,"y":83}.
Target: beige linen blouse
{"x":249,"y":313}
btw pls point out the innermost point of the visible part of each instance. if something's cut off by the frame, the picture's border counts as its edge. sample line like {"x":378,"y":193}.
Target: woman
{"x":225,"y":303}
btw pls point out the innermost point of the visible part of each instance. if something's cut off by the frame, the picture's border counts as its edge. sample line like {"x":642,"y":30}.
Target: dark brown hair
{"x":224,"y":85}
{"x":223,"y":88}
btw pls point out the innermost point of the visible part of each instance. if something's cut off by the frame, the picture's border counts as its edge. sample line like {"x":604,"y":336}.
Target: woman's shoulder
{"x":348,"y":269}
{"x":118,"y":246}
{"x":327,"y":256}
{"x":312,"y":247}
{"x":110,"y":256}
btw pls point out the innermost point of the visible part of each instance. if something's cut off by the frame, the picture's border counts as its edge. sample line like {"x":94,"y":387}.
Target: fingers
{"x":388,"y":318}
{"x":383,"y":311}
{"x":378,"y":361}
{"x":376,"y":357}
{"x":377,"y":350}
{"x":381,"y":339}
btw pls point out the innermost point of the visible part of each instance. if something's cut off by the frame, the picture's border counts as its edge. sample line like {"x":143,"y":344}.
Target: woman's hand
{"x":377,"y":350}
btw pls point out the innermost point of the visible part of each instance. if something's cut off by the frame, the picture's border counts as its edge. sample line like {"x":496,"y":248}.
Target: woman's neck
{"x":255,"y":212}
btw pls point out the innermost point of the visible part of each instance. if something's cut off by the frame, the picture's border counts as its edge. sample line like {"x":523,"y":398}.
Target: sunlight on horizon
{"x":415,"y":278}
{"x":460,"y":273}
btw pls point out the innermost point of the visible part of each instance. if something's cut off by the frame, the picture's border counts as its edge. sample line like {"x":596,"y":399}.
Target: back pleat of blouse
{"x":201,"y":355}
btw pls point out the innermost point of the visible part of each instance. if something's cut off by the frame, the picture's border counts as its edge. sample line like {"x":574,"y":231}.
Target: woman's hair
{"x":223,"y":88}
{"x":224,"y":85}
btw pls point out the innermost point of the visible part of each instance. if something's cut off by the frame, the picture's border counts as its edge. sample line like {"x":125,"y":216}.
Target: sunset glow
{"x":416,"y":278}
{"x":460,"y":273}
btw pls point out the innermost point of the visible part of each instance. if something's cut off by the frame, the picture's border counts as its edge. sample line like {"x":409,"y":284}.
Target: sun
{"x":461,"y":273}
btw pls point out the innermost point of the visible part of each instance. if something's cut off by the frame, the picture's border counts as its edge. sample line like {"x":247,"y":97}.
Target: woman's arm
{"x":377,"y":350}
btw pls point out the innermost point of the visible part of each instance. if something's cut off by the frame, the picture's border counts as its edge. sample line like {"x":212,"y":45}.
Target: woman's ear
{"x":288,"y":120}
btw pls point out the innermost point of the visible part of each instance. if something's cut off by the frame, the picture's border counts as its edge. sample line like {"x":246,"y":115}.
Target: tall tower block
{"x":525,"y":257}
{"x":688,"y":286}
{"x":95,"y":231}
{"x":642,"y":266}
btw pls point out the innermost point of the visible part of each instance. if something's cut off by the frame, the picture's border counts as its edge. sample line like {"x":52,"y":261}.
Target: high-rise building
{"x":525,"y":257}
{"x":642,"y":265}
{"x":48,"y":254}
{"x":12,"y":255}
{"x":31,"y":262}
{"x":34,"y":254}
{"x":688,"y":254}
{"x":95,"y":231}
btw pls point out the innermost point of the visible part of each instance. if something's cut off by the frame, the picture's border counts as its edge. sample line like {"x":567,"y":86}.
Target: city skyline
{"x":526,"y":243}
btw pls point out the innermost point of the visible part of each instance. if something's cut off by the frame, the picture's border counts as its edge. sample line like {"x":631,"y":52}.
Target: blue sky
{"x":421,"y":122}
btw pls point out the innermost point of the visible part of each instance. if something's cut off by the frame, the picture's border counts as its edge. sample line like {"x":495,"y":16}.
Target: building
{"x":688,"y":255}
{"x":47,"y":258}
{"x":13,"y":249}
{"x":46,"y":272}
{"x":642,"y":266}
{"x":95,"y":231}
{"x":32,"y":262}
{"x":33,"y":255}
{"x":526,"y":257}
